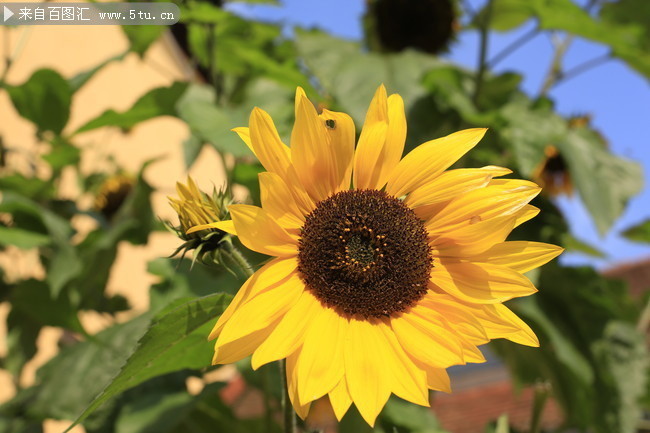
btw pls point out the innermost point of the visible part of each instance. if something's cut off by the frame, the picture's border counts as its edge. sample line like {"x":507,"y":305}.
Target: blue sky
{"x":617,"y":98}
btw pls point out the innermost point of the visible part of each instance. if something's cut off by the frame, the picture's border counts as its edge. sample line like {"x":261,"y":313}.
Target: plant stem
{"x":513,"y":46}
{"x":485,"y":24}
{"x":542,"y":392}
{"x":555,"y":71}
{"x":238,"y":258}
{"x":583,"y":67}
{"x":290,"y":425}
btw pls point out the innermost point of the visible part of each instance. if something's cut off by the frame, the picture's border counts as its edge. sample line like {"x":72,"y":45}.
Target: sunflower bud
{"x":196,"y":208}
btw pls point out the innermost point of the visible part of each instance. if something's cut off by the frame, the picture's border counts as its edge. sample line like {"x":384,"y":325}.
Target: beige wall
{"x":70,"y":50}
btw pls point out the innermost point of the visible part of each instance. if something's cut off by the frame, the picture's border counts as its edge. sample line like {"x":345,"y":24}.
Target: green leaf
{"x":624,"y":356}
{"x":33,"y":299}
{"x":573,"y":244}
{"x":78,"y":373}
{"x":407,"y":417}
{"x":505,"y":15}
{"x":141,"y":37}
{"x":191,"y":148}
{"x":22,"y":332}
{"x":175,"y":340}
{"x":639,"y":232}
{"x":352,"y":76}
{"x":157,"y":102}
{"x":23,"y":239}
{"x":622,"y":27}
{"x":178,"y":280}
{"x":61,"y":155}
{"x":82,"y":78}
{"x":43,"y":99}
{"x":605,"y":194}
{"x":208,"y":122}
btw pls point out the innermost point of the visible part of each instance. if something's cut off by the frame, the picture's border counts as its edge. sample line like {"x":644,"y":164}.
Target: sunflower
{"x":387,"y":270}
{"x":553,"y":173}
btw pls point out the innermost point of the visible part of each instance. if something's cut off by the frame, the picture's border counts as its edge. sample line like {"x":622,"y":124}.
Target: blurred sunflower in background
{"x":386,"y":270}
{"x":112,"y":193}
{"x":552,"y":174}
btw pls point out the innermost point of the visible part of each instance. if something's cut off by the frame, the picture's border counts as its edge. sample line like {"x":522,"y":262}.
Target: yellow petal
{"x":408,"y":381}
{"x":527,"y":213}
{"x":266,"y":144}
{"x":311,"y":156}
{"x":258,"y":231}
{"x":265,"y":278}
{"x":483,"y":204}
{"x":437,"y":379}
{"x":372,"y":141}
{"x":481,"y":283}
{"x":320,"y":366}
{"x":522,"y":256}
{"x":341,"y":140}
{"x":240,"y":348}
{"x":278,"y":201}
{"x":472,"y":239}
{"x":245,"y":134}
{"x":452,"y":184}
{"x":226,"y":226}
{"x":288,"y":336}
{"x":368,"y":377}
{"x":500,"y":322}
{"x":445,"y":308}
{"x":380,"y":150}
{"x":302,"y":409}
{"x":364,"y":164}
{"x":340,"y":399}
{"x":427,"y":161}
{"x":429,"y":342}
{"x":262,"y":310}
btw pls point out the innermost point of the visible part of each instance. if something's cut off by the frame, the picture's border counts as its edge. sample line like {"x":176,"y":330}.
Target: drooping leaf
{"x":44,"y":99}
{"x":175,"y":340}
{"x":399,"y":415}
{"x":157,"y":102}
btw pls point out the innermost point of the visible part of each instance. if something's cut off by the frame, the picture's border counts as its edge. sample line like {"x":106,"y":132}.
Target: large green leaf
{"x":352,"y":76}
{"x":623,"y":354}
{"x":209,"y":122}
{"x":78,"y":373}
{"x":43,"y":99}
{"x":157,"y":102}
{"x":605,"y":182}
{"x":175,"y":340}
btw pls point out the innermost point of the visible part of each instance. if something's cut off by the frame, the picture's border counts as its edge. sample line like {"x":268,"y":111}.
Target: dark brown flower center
{"x":365,"y":253}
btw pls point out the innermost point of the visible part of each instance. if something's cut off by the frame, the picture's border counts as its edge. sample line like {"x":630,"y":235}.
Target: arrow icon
{"x":7,"y":13}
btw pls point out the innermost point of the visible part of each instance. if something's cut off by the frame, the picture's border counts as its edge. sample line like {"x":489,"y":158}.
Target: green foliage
{"x":639,"y":232}
{"x":175,"y":340}
{"x":131,"y":377}
{"x":44,"y":99}
{"x":156,"y":102}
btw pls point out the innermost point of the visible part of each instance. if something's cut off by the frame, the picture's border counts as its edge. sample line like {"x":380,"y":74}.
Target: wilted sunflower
{"x":378,"y":287}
